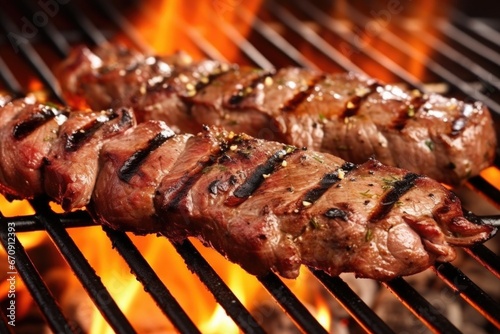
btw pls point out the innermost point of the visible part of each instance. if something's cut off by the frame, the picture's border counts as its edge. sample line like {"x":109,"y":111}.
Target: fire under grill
{"x":453,"y":49}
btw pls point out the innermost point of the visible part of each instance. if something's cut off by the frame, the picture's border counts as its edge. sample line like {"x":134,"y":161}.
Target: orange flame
{"x":323,"y":314}
{"x":28,"y":240}
{"x":21,"y":208}
{"x":158,"y":22}
{"x":492,"y":175}
{"x":167,"y":32}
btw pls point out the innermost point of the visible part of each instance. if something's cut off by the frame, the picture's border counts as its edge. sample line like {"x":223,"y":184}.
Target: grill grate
{"x":299,"y":34}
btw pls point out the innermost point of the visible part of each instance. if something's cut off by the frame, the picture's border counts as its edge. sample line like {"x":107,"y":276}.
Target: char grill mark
{"x":127,"y":117}
{"x":352,"y":106}
{"x":75,"y":140}
{"x":133,"y":163}
{"x":336,"y":213}
{"x":262,"y":234}
{"x":326,"y":183}
{"x":390,"y":198}
{"x":405,"y":114}
{"x":188,"y":104}
{"x":173,"y":99}
{"x":191,"y":177}
{"x":212,"y":187}
{"x":45,"y":114}
{"x":292,"y":104}
{"x":240,"y":95}
{"x":262,"y":171}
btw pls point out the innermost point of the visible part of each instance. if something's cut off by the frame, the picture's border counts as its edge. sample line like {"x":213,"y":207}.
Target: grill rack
{"x":56,"y":224}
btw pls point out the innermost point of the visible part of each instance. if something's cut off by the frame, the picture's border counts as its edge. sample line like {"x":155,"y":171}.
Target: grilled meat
{"x":27,"y":132}
{"x":36,"y":137}
{"x":263,"y":204}
{"x":347,"y":114}
{"x":72,"y":164}
{"x":4,"y":99}
{"x":267,"y":205}
{"x":130,"y":169}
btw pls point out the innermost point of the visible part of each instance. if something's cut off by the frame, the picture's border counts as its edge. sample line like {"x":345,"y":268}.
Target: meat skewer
{"x":344,"y":114}
{"x":263,"y":204}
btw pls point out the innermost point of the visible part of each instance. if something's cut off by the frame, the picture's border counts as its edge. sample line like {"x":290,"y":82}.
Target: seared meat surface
{"x":4,"y":99}
{"x":263,"y":204}
{"x":268,"y":205}
{"x":346,"y":114}
{"x":130,"y":169}
{"x":27,"y":132}
{"x":72,"y":164}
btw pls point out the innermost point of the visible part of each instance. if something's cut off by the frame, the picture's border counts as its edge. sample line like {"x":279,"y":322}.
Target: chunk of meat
{"x":345,"y":114}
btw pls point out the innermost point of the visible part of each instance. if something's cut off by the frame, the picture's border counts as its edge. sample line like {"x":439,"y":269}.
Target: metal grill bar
{"x":312,"y":37}
{"x":346,"y":34}
{"x":55,"y":37}
{"x":459,"y":58}
{"x":80,"y":266}
{"x":408,"y":49}
{"x":468,"y":290}
{"x":486,"y":257}
{"x":358,"y":309}
{"x":35,"y":284}
{"x":123,"y":24}
{"x":276,"y":39}
{"x":152,"y":283}
{"x":224,"y":296}
{"x":482,"y":186}
{"x":475,"y":25}
{"x":32,"y":57}
{"x":361,"y":312}
{"x":9,"y":79}
{"x":86,"y":26}
{"x":4,"y":327}
{"x":469,"y":42}
{"x":68,"y":220}
{"x":291,"y":304}
{"x":208,"y":49}
{"x":420,"y":307}
{"x":244,"y":45}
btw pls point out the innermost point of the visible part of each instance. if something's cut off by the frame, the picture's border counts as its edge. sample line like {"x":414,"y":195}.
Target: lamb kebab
{"x":263,"y":204}
{"x":344,"y":114}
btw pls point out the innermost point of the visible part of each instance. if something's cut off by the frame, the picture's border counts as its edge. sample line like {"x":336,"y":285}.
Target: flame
{"x":35,"y":85}
{"x":166,"y":32}
{"x":150,"y":23}
{"x":21,"y":208}
{"x":209,"y":316}
{"x":158,"y":22}
{"x":29,"y":241}
{"x":492,"y":175}
{"x":323,"y":313}
{"x":130,"y":296}
{"x":125,"y":289}
{"x":219,"y":323}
